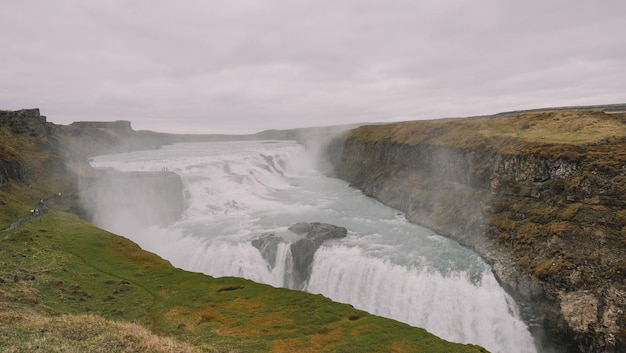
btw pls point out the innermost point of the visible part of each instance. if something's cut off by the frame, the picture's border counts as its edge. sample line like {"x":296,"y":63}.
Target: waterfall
{"x":452,"y":305}
{"x":242,"y":197}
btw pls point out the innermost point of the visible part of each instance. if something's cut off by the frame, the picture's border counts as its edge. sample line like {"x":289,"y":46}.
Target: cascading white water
{"x":238,"y":192}
{"x":420,"y":297}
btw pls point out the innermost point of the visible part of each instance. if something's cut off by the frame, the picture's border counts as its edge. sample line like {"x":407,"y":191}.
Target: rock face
{"x":313,"y":235}
{"x":11,"y":169}
{"x":549,"y":216}
{"x":91,"y":138}
{"x":268,"y":247}
{"x":21,"y":122}
{"x":303,"y":250}
{"x":25,"y":121}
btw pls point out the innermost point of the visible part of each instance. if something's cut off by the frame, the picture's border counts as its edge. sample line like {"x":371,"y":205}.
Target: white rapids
{"x":236,"y":192}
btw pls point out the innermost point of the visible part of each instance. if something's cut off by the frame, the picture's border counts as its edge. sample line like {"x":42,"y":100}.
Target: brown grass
{"x":558,"y":228}
{"x":569,"y":211}
{"x":296,"y":345}
{"x":82,"y":333}
{"x":575,"y":126}
{"x":561,"y":127}
{"x":328,"y":339}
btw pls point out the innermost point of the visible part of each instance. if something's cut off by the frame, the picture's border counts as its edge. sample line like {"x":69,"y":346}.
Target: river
{"x":236,"y":192}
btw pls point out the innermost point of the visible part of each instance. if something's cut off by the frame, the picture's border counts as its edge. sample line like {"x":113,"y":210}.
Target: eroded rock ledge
{"x":312,"y":236}
{"x":541,"y":196}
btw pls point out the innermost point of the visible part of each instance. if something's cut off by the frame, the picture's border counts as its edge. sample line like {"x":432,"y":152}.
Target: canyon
{"x":540,"y":195}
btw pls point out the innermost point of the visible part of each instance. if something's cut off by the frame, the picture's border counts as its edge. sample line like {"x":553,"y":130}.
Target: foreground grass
{"x":81,"y":333}
{"x":70,"y":287}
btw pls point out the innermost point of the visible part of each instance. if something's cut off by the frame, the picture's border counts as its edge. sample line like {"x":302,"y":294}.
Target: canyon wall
{"x":541,"y":196}
{"x":15,"y":128}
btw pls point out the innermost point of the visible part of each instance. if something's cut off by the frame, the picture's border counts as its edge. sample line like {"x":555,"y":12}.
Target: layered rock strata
{"x":541,"y":196}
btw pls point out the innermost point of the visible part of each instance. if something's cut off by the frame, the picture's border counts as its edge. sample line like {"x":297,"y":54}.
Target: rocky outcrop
{"x":25,"y":121}
{"x":91,"y":138}
{"x":312,"y":236}
{"x":267,"y":245}
{"x":11,"y":169}
{"x":303,"y":250}
{"x":548,"y":214}
{"x":21,"y":122}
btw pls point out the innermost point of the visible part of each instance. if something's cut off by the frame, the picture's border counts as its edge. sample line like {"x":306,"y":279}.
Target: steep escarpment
{"x":25,"y":121}
{"x":12,"y":124}
{"x":24,"y":134}
{"x":541,"y":195}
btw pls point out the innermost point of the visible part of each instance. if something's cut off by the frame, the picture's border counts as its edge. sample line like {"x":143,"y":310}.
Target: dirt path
{"x":19,"y":222}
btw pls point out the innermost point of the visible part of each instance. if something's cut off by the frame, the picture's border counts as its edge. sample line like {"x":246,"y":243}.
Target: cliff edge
{"x":540,"y":195}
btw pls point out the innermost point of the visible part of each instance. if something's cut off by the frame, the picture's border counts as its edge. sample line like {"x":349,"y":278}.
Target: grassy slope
{"x":69,"y":286}
{"x":561,"y":127}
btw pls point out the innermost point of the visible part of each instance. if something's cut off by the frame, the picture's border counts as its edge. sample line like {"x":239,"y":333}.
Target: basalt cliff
{"x":540,"y":195}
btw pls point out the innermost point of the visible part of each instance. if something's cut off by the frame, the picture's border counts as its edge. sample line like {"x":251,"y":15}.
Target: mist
{"x":126,"y":202}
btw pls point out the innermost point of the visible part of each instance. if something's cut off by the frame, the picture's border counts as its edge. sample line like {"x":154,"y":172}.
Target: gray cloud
{"x":218,"y":66}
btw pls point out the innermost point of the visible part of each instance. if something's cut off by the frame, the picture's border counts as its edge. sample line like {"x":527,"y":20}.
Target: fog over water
{"x":238,"y":192}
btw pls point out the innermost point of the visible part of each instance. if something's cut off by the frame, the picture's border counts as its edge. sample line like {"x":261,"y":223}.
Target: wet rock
{"x":580,"y":310}
{"x":268,"y":247}
{"x":303,"y":250}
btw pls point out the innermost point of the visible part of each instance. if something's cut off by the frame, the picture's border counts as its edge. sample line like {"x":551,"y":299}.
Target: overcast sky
{"x":209,"y":66}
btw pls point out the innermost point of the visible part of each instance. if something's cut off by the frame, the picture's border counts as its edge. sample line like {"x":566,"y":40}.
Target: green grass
{"x":67,"y":266}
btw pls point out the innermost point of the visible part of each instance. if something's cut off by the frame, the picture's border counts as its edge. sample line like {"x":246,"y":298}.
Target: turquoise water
{"x":236,"y":192}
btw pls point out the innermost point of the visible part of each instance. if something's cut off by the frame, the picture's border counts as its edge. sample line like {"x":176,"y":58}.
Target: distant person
{"x":39,"y":208}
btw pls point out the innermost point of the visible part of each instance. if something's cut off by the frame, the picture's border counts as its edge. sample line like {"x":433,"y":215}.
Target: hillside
{"x":66,"y":285}
{"x":541,"y":195}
